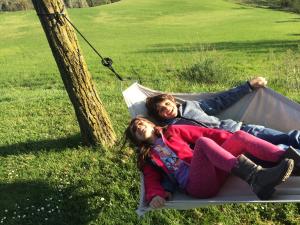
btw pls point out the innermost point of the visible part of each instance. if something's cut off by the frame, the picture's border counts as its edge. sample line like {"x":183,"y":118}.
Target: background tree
{"x":15,"y":5}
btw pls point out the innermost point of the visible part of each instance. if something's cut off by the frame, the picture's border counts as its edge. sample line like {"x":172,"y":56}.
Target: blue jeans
{"x":281,"y":139}
{"x":275,"y":137}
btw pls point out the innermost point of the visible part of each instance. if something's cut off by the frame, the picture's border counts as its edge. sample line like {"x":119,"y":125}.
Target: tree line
{"x":290,"y":5}
{"x":16,"y":5}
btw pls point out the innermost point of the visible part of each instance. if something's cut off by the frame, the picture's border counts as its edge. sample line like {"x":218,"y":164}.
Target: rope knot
{"x":107,"y":62}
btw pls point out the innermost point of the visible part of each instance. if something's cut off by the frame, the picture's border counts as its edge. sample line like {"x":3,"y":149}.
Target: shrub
{"x":208,"y":70}
{"x":296,"y":6}
{"x":15,"y":5}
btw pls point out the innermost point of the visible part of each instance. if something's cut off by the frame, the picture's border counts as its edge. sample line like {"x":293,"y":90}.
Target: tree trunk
{"x":93,"y":120}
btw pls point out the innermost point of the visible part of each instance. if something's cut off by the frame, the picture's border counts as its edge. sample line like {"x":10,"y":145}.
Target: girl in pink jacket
{"x":201,"y":171}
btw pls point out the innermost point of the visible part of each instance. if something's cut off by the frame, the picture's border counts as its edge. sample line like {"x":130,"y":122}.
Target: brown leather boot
{"x":292,"y":153}
{"x":262,"y":180}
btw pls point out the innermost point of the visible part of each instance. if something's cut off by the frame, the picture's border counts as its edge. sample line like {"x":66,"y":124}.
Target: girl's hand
{"x":258,"y":82}
{"x":157,"y":202}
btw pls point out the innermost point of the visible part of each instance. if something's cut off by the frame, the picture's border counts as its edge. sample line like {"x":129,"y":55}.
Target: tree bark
{"x":93,"y":119}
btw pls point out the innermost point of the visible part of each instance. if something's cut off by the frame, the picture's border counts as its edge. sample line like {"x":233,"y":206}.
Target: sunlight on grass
{"x":48,"y":177}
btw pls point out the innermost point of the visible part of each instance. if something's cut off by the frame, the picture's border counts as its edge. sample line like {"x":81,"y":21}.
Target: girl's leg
{"x":275,"y":137}
{"x":241,"y":142}
{"x":209,"y":168}
{"x":211,"y":163}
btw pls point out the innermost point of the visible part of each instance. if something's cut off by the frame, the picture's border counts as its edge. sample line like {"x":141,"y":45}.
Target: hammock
{"x":264,"y":107}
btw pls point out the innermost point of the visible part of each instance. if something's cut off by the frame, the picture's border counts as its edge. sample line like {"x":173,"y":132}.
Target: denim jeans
{"x":275,"y":137}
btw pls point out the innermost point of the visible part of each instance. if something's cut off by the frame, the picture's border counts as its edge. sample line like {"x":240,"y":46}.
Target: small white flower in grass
{"x":6,"y":210}
{"x":38,"y":210}
{"x":102,"y":199}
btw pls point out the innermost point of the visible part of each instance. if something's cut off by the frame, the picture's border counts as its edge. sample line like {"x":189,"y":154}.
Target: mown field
{"x":48,"y":177}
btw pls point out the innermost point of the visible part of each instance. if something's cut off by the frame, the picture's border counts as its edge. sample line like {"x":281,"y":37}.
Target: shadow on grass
{"x":288,"y":21}
{"x":242,"y":7}
{"x":35,"y":202}
{"x":263,"y":46}
{"x":41,"y":145}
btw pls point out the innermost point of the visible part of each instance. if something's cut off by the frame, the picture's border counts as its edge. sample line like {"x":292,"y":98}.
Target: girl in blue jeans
{"x":165,"y":110}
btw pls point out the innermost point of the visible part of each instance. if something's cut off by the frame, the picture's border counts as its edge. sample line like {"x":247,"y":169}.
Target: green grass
{"x":48,"y":177}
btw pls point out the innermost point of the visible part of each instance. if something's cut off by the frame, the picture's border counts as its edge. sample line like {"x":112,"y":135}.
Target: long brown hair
{"x":142,"y":147}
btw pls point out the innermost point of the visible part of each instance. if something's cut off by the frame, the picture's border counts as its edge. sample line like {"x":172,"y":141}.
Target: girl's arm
{"x":152,"y":183}
{"x":213,"y":106}
{"x":225,"y":99}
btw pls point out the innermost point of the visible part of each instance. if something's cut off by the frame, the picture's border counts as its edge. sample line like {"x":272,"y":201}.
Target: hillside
{"x":48,"y":177}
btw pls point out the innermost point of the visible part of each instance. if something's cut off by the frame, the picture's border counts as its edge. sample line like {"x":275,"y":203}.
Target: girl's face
{"x":167,"y":109}
{"x":143,"y":130}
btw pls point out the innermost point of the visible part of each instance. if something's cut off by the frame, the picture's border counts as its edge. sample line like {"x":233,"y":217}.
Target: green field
{"x":48,"y":177}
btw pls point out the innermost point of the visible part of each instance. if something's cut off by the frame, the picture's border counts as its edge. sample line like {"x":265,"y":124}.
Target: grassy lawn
{"x":48,"y":177}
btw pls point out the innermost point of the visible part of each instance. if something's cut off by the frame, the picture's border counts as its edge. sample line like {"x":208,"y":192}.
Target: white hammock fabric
{"x":263,"y":107}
